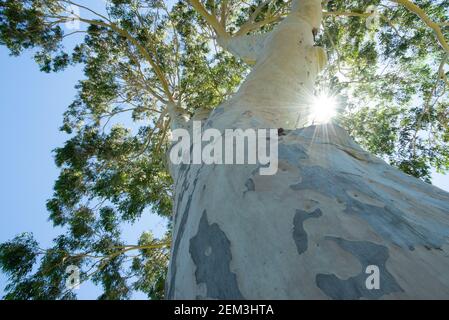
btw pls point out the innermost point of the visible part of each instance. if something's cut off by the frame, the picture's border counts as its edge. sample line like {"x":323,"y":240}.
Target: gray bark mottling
{"x":310,"y":231}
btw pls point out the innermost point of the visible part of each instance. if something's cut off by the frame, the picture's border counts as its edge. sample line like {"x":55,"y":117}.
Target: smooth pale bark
{"x":330,"y":213}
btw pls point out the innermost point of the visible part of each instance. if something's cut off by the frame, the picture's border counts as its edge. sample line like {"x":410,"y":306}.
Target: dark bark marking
{"x":299,"y":234}
{"x":170,"y":286}
{"x":211,"y":253}
{"x":250,"y":186}
{"x":292,"y":153}
{"x":388,"y":221}
{"x":367,"y":253}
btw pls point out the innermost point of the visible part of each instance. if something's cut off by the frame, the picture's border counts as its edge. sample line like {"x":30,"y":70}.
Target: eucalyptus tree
{"x":333,"y":211}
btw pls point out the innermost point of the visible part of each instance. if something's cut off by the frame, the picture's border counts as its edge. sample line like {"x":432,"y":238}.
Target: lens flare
{"x":324,"y":108}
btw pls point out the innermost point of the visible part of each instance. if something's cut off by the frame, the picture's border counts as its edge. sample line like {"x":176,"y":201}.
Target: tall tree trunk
{"x":331,"y":219}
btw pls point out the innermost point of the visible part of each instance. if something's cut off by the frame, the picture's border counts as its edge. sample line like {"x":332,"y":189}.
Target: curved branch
{"x":142,"y":50}
{"x":248,"y":24}
{"x":210,"y":19}
{"x":431,"y":24}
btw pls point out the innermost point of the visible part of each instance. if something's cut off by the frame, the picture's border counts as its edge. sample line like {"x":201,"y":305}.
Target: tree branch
{"x":422,"y":14}
{"x":346,"y":14}
{"x":142,"y":50}
{"x":254,"y":26}
{"x":210,"y":19}
{"x":224,"y":13}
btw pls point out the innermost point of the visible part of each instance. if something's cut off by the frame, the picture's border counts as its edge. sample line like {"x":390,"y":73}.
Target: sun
{"x":324,"y":108}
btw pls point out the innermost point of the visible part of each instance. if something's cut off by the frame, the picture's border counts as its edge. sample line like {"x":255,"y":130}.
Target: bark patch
{"x":211,"y":253}
{"x":170,"y":285}
{"x":292,"y":153}
{"x":367,"y":253}
{"x":250,"y":186}
{"x":388,"y":221}
{"x":299,"y":234}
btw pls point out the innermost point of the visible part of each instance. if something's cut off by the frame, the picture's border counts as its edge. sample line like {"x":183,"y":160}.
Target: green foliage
{"x":389,"y":77}
{"x":150,"y":268}
{"x":18,"y":256}
{"x":112,"y":166}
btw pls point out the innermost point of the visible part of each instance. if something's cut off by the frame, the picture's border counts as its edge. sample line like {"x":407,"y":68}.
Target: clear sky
{"x":31,"y":108}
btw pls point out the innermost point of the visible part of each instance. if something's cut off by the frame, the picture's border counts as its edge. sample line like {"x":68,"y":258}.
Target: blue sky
{"x":31,"y":108}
